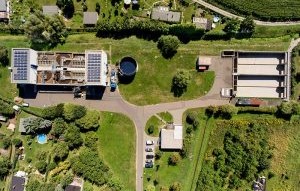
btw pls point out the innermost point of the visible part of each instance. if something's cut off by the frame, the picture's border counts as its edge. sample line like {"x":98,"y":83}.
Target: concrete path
{"x":230,"y":15}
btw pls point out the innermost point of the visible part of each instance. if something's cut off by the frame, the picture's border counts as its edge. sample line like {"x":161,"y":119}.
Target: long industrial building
{"x":59,"y":68}
{"x":261,"y":74}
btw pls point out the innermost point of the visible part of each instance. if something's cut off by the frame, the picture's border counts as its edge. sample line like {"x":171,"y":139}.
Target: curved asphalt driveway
{"x":230,"y":15}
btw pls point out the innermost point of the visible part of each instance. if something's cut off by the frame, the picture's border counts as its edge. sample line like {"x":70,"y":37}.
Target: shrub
{"x":168,"y":45}
{"x":4,"y":56}
{"x":158,"y":154}
{"x":73,"y":137}
{"x":90,"y":121}
{"x":180,"y":82}
{"x":176,"y":186}
{"x":53,"y":112}
{"x":17,"y":142}
{"x":191,"y":117}
{"x":189,"y":130}
{"x":41,"y":166}
{"x":227,"y":111}
{"x":73,"y":112}
{"x":91,"y":140}
{"x":28,"y":159}
{"x":210,"y":111}
{"x":270,"y":175}
{"x":174,"y":159}
{"x":6,"y":142}
{"x":150,"y":129}
{"x":60,"y":151}
{"x":5,"y":166}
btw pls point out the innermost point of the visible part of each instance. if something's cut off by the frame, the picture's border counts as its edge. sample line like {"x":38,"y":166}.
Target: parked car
{"x":149,"y":161}
{"x":149,"y":165}
{"x":149,"y":142}
{"x":149,"y":156}
{"x":149,"y":149}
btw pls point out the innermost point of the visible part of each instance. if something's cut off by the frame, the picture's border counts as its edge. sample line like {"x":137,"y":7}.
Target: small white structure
{"x":171,"y":138}
{"x":16,"y":108}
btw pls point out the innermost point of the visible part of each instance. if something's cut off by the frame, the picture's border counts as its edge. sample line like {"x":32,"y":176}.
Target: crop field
{"x":273,"y":10}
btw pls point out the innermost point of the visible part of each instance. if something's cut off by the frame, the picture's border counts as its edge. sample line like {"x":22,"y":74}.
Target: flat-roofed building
{"x":164,"y":14}
{"x":171,"y":138}
{"x":261,"y":74}
{"x":59,"y":68}
{"x":50,"y":10}
{"x":90,"y":18}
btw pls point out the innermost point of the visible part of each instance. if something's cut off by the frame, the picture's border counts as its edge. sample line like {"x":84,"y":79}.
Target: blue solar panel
{"x":20,"y":64}
{"x":94,"y":68}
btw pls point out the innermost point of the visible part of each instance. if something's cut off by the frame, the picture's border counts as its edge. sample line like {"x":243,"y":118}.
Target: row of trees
{"x":146,"y":29}
{"x":245,"y":28}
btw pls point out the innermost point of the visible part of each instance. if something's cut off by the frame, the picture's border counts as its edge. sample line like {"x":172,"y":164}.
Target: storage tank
{"x":127,"y":69}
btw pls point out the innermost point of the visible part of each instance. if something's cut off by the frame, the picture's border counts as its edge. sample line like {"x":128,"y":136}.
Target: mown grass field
{"x":266,"y":10}
{"x":156,"y":123}
{"x":152,"y":83}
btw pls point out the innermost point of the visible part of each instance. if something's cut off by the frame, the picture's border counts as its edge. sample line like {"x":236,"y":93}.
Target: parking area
{"x":150,"y":144}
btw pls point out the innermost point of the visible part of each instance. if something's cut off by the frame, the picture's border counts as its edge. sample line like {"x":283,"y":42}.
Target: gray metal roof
{"x":203,"y":23}
{"x":90,"y":18}
{"x":163,"y":14}
{"x":50,"y":9}
{"x":3,"y":7}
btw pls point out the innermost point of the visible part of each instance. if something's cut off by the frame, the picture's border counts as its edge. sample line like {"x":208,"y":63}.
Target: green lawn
{"x":117,"y":139}
{"x":296,"y":61}
{"x":156,"y":123}
{"x":166,"y":116}
{"x":275,"y":31}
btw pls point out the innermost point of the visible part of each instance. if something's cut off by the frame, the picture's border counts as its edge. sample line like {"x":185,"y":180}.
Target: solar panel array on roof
{"x":93,"y":67}
{"x":20,"y":64}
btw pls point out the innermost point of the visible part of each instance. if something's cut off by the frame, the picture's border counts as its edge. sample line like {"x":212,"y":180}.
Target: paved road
{"x":113,"y":102}
{"x":230,"y":15}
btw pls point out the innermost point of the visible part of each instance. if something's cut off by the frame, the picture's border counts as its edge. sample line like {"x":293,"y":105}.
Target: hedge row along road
{"x":230,"y":15}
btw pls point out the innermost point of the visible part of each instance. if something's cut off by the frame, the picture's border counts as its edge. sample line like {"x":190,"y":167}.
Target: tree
{"x":45,"y":31}
{"x":33,"y":185}
{"x":34,"y":125}
{"x":73,"y":112}
{"x":90,"y":121}
{"x":58,"y":128}
{"x":41,"y":166}
{"x":168,"y":45}
{"x":150,"y":187}
{"x":286,"y":108}
{"x":67,"y":179}
{"x":5,"y":166}
{"x":97,"y":8}
{"x":232,"y":27}
{"x":6,"y":142}
{"x":191,"y":117}
{"x":150,"y":129}
{"x":67,"y":7}
{"x":227,"y":111}
{"x":53,"y":112}
{"x":73,"y":137}
{"x":6,"y":109}
{"x":180,"y":82}
{"x":176,"y":186}
{"x":174,"y":159}
{"x":158,"y":154}
{"x":17,"y":142}
{"x":60,"y":151}
{"x":91,"y":140}
{"x":247,"y":25}
{"x":3,"y":56}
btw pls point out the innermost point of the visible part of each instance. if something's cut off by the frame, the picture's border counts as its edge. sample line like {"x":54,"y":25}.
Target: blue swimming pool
{"x":42,"y":138}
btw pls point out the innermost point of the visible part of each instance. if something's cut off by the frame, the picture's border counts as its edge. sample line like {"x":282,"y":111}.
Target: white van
{"x":149,"y":142}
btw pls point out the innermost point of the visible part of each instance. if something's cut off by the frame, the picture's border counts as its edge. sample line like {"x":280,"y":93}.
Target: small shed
{"x":203,"y":63}
{"x":202,"y":23}
{"x":90,"y":18}
{"x":50,"y":10}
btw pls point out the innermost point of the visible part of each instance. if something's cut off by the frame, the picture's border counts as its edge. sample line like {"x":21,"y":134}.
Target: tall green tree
{"x":232,"y":27}
{"x":73,"y":137}
{"x":73,"y":112}
{"x":3,"y":56}
{"x":5,"y":166}
{"x":45,"y":31}
{"x":60,"y":151}
{"x":90,"y":121}
{"x":168,"y":45}
{"x":67,"y":6}
{"x":180,"y":82}
{"x":247,"y":25}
